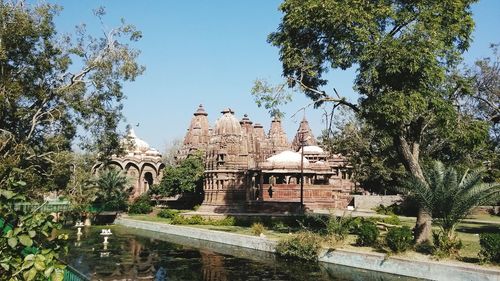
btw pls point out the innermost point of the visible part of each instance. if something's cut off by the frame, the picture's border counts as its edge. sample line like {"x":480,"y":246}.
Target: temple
{"x":141,"y":163}
{"x":247,"y":169}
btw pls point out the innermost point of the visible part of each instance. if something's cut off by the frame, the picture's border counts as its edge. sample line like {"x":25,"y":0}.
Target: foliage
{"x":257,"y":228}
{"x":168,"y":213}
{"x":81,"y":190}
{"x":271,"y":97}
{"x":392,"y":219}
{"x":367,"y":234}
{"x":376,"y":165}
{"x":399,"y":239}
{"x":51,"y":85}
{"x":450,"y":197}
{"x":490,"y":247}
{"x":404,"y":53}
{"x":338,"y":227}
{"x":113,"y":192}
{"x":29,"y":242}
{"x":304,"y":245}
{"x":141,"y":205}
{"x":193,"y":220}
{"x":187,"y":176}
{"x":445,"y":244}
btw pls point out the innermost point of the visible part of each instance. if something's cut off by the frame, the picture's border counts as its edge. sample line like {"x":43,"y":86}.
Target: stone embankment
{"x":431,"y":270}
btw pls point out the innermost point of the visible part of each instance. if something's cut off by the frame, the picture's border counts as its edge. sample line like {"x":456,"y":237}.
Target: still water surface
{"x":143,"y":255}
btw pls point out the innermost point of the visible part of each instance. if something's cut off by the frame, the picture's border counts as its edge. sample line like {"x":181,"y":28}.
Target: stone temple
{"x":248,"y":170}
{"x":141,"y":163}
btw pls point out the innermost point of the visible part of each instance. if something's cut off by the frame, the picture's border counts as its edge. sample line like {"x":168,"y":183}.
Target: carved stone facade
{"x":141,"y":163}
{"x":245,"y":166}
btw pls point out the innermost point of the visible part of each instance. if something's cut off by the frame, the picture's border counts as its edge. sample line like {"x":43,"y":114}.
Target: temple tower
{"x":197,"y":136}
{"x":305,"y":133}
{"x":226,"y":163}
{"x":277,"y":137}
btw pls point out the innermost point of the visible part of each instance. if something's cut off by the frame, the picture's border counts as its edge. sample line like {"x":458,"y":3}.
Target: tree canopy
{"x":53,"y":86}
{"x":404,"y":53}
{"x":185,"y":177}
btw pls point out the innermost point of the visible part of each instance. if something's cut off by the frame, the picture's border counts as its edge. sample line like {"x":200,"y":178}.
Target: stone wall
{"x":369,"y":202}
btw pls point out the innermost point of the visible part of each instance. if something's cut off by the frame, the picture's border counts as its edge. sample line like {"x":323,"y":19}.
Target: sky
{"x":210,"y":53}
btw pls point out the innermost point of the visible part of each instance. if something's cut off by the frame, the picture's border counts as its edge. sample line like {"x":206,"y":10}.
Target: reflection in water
{"x":142,"y":255}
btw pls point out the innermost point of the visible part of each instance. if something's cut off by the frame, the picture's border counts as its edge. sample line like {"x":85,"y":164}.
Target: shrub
{"x":490,"y":247}
{"x":445,"y":245}
{"x":280,"y":226}
{"x":338,"y":227}
{"x":179,"y":219}
{"x":196,"y":219}
{"x":305,"y":245}
{"x":141,"y":205}
{"x":228,"y":221}
{"x":393,"y":219}
{"x":168,"y":213}
{"x":257,"y":228}
{"x":384,"y":210}
{"x":399,"y":239}
{"x":367,"y":234}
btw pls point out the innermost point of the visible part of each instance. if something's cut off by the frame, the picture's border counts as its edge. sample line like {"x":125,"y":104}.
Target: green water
{"x":142,"y":255}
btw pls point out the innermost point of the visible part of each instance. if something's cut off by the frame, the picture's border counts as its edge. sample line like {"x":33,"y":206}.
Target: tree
{"x":450,"y":197}
{"x":375,"y":163}
{"x":113,"y":191}
{"x":81,"y":189}
{"x":185,"y":177}
{"x":402,"y":51}
{"x":50,"y":86}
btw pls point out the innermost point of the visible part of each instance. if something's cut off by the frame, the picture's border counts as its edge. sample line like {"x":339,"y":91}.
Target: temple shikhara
{"x":248,"y":169}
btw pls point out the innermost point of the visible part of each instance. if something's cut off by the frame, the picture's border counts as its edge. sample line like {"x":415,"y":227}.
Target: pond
{"x":143,"y":255}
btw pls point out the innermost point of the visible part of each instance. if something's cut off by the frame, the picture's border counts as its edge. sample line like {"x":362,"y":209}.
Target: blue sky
{"x":210,"y":52}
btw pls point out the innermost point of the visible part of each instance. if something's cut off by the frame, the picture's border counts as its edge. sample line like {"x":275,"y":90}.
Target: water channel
{"x":143,"y":255}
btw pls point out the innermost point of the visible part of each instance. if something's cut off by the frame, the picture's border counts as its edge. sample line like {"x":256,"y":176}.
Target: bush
{"x":141,"y":205}
{"x":367,"y":234}
{"x":168,"y":213}
{"x":490,"y":247}
{"x":385,"y":210}
{"x":228,"y":221}
{"x":399,"y":239}
{"x":445,"y":245}
{"x":257,"y":228}
{"x":338,"y":227}
{"x":304,"y":245}
{"x":393,"y":219}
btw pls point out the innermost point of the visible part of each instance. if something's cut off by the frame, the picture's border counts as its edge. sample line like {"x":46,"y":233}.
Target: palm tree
{"x":449,"y":198}
{"x":113,"y":190}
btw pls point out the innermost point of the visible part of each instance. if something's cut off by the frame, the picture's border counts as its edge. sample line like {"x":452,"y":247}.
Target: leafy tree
{"x":81,"y":189}
{"x":186,"y":177}
{"x":450,"y":197}
{"x":402,"y":51}
{"x":51,"y":85}
{"x":113,"y":191}
{"x":376,"y":166}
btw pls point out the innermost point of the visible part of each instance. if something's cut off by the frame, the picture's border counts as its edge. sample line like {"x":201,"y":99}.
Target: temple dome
{"x":134,"y":143}
{"x":227,"y":124}
{"x":312,"y":149}
{"x":287,"y":157}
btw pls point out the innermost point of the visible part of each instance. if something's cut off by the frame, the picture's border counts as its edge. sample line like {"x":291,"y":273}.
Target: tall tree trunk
{"x":410,"y":161}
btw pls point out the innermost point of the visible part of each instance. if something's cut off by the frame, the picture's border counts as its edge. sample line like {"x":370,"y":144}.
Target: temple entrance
{"x":148,"y":181}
